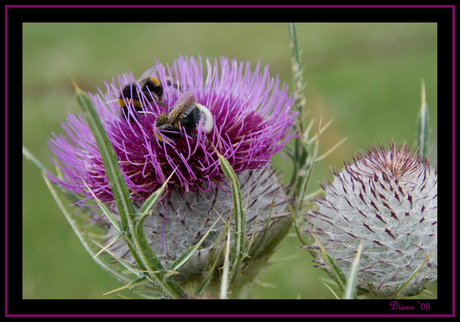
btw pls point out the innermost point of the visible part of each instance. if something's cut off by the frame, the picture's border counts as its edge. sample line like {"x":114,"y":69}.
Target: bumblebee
{"x":149,"y":85}
{"x":188,"y":113}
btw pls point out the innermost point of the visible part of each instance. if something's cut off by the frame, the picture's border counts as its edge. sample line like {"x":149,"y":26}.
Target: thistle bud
{"x":387,"y":199}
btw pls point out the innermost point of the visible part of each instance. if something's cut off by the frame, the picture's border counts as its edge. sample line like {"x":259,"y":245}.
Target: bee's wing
{"x":183,"y":106}
{"x":149,"y":72}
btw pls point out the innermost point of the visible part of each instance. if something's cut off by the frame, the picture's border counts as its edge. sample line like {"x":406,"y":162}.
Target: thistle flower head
{"x":180,"y":119}
{"x":386,"y":198}
{"x":252,"y":120}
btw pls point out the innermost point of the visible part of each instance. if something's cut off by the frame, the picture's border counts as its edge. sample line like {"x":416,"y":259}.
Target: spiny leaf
{"x":114,"y":240}
{"x":135,"y":238}
{"x":150,"y":203}
{"x":117,"y":183}
{"x":304,"y":186}
{"x":208,"y":276}
{"x":129,"y":285}
{"x":238,"y":215}
{"x":29,"y":156}
{"x":106,"y":211}
{"x":398,"y":293}
{"x":423,"y":123}
{"x":350,"y":290}
{"x":330,"y":261}
{"x":225,"y":273}
{"x":79,"y":232}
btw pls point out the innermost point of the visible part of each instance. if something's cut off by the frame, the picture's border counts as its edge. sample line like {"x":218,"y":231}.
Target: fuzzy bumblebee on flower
{"x":177,"y":161}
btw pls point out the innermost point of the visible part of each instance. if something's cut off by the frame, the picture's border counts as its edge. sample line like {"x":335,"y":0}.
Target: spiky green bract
{"x":423,"y":126}
{"x":81,"y":234}
{"x":238,"y":249}
{"x":187,"y":255}
{"x":226,"y":270}
{"x":350,"y":290}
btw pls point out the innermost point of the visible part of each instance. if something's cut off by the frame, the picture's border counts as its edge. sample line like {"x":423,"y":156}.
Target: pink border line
{"x":217,"y":7}
{"x":231,"y":6}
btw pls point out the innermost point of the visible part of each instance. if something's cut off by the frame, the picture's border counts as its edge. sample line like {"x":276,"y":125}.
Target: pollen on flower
{"x":386,"y":198}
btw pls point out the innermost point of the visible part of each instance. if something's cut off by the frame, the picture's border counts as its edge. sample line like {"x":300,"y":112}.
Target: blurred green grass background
{"x":364,"y":76}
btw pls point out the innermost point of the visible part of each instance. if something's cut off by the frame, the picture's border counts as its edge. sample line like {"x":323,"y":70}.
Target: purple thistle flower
{"x":252,"y":121}
{"x":386,"y":198}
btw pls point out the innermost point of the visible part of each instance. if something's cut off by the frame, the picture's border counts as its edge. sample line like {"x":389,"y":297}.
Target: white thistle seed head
{"x":386,"y":198}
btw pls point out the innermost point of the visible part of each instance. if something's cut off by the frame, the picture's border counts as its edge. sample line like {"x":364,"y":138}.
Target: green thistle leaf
{"x":423,"y":125}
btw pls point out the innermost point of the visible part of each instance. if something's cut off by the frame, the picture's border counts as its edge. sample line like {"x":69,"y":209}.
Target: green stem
{"x":300,"y":152}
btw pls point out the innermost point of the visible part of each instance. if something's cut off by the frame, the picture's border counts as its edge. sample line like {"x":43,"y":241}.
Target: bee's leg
{"x":192,"y":135}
